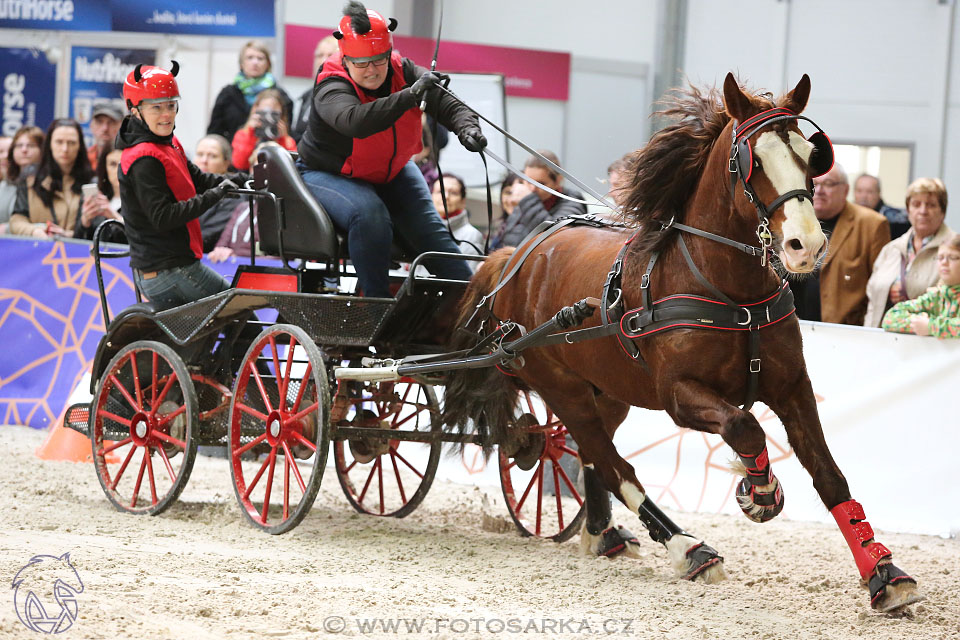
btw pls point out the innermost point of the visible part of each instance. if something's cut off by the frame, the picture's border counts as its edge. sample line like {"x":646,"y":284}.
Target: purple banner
{"x":50,"y":322}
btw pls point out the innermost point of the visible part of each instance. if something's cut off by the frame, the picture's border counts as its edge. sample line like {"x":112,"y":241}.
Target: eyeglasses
{"x":158,"y":108}
{"x":828,"y":184}
{"x":26,"y":145}
{"x":948,"y":257}
{"x":377,"y":63}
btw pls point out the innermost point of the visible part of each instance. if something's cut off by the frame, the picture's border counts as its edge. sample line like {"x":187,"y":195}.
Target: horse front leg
{"x":697,"y":406}
{"x":891,"y":589}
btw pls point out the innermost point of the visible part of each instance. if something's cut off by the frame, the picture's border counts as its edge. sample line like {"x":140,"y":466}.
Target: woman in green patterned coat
{"x":937,"y":312}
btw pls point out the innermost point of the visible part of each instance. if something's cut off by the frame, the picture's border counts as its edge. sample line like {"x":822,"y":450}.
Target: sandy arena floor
{"x":200,"y":571}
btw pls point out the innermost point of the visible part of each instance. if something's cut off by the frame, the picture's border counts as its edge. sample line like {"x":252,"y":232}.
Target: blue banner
{"x":97,"y":74}
{"x":29,"y":88}
{"x":50,"y":321}
{"x":197,"y":17}
{"x":201,"y":17}
{"x":72,"y":15}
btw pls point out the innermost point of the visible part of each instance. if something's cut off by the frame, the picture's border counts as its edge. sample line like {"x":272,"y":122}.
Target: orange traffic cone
{"x":65,"y":444}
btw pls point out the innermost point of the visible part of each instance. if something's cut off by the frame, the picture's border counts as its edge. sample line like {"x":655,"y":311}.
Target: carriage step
{"x":77,"y":418}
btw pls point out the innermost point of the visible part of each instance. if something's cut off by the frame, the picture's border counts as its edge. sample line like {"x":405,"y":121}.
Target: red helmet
{"x":147,"y":83}
{"x":371,"y":39}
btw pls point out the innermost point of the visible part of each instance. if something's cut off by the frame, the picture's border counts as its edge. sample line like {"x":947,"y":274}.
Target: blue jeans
{"x":180,"y":285}
{"x":370,"y":214}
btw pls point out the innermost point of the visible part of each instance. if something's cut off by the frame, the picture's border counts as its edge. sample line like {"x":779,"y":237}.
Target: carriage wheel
{"x":389,"y":477}
{"x":542,"y":499}
{"x":142,"y":428}
{"x":279,"y":421}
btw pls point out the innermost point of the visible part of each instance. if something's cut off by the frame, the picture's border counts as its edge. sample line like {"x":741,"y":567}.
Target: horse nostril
{"x":796,"y":245}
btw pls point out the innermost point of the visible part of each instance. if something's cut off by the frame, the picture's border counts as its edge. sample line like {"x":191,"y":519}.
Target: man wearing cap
{"x":355,"y":156}
{"x":103,"y":127}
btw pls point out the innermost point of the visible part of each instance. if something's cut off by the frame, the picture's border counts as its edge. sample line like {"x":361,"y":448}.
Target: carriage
{"x":733,"y":174}
{"x":213,"y":374}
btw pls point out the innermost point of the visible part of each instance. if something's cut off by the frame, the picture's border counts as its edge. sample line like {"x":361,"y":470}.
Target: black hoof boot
{"x":891,"y":589}
{"x":701,"y":557}
{"x":614,"y":540}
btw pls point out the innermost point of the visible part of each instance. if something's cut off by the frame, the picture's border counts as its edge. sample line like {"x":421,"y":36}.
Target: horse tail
{"x":482,"y":400}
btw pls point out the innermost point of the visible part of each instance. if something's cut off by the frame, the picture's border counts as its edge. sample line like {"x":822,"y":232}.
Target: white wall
{"x":879,"y":68}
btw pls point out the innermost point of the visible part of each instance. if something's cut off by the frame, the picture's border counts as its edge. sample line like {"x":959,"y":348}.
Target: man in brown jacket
{"x":838,"y":293}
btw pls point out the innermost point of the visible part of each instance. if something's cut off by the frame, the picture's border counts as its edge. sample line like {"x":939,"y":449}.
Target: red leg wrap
{"x":857,"y":531}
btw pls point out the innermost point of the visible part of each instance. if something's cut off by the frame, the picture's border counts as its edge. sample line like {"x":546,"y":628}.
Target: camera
{"x":269,"y":128}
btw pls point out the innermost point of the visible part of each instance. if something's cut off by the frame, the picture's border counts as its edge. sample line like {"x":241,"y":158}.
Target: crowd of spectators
{"x":885,"y":266}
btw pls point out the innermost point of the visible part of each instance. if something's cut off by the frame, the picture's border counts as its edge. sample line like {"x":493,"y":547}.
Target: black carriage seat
{"x":308,"y":232}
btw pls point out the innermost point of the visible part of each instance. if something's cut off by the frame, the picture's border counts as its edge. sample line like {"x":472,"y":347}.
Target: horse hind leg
{"x":600,"y":534}
{"x":579,"y":411}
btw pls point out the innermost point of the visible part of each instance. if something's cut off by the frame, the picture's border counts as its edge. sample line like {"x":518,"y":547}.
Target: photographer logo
{"x":45,"y":593}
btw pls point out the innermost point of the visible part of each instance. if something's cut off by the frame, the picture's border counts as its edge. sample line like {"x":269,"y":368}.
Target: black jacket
{"x":530,"y":212}
{"x":155,"y":222}
{"x":337,"y":109}
{"x":298,"y":128}
{"x":230,"y":111}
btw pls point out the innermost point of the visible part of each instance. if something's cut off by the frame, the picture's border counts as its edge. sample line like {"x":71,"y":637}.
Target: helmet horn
{"x":136,"y":73}
{"x":393,"y":25}
{"x":175,"y":68}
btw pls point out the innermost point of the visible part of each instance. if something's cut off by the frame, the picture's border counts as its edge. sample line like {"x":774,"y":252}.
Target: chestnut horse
{"x":698,"y":376}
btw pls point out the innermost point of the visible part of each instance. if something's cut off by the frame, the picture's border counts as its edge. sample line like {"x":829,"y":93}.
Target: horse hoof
{"x":891,"y":590}
{"x":617,"y":540}
{"x":760,"y":506}
{"x":705,"y":564}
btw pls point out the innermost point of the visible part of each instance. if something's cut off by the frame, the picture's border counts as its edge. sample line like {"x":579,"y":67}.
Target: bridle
{"x":741,"y":164}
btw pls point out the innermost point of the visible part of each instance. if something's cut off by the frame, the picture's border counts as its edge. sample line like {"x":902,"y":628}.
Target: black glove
{"x":424,"y":83}
{"x":472,"y":138}
{"x":238,"y":177}
{"x":225,"y":186}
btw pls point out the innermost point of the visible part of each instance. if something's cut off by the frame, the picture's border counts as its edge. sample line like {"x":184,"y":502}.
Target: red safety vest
{"x":178,"y":177}
{"x":380,"y":157}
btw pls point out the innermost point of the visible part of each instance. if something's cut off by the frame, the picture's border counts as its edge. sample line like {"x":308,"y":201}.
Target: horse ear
{"x":66,"y":557}
{"x":738,"y":105}
{"x":796,"y":100}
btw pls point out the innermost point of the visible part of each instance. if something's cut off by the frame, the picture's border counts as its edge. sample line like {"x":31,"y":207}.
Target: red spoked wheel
{"x":385,"y":476}
{"x":142,"y":428}
{"x":279,"y":428}
{"x":538,"y":479}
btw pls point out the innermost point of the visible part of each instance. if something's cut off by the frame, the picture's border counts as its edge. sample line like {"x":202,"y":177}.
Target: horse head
{"x":43,"y":581}
{"x":775,"y":165}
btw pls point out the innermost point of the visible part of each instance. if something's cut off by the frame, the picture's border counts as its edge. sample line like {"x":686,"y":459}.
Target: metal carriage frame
{"x":211,"y":374}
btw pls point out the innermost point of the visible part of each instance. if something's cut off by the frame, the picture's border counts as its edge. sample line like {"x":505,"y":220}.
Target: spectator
{"x":24,"y":152}
{"x":937,"y":312}
{"x":535,"y":205}
{"x":838,"y":293}
{"x":103,"y":127}
{"x":214,"y":155}
{"x":163,"y":194}
{"x":267,"y":123}
{"x":232,"y":107}
{"x":325,"y":48}
{"x":8,"y":190}
{"x":507,"y":205}
{"x":618,"y":179}
{"x":49,"y":201}
{"x":907,"y":266}
{"x":105,"y":205}
{"x":457,"y":218}
{"x":355,"y":156}
{"x":425,"y":159}
{"x":866,"y":193}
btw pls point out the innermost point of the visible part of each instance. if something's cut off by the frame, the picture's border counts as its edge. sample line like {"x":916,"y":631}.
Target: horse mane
{"x":664,"y":174}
